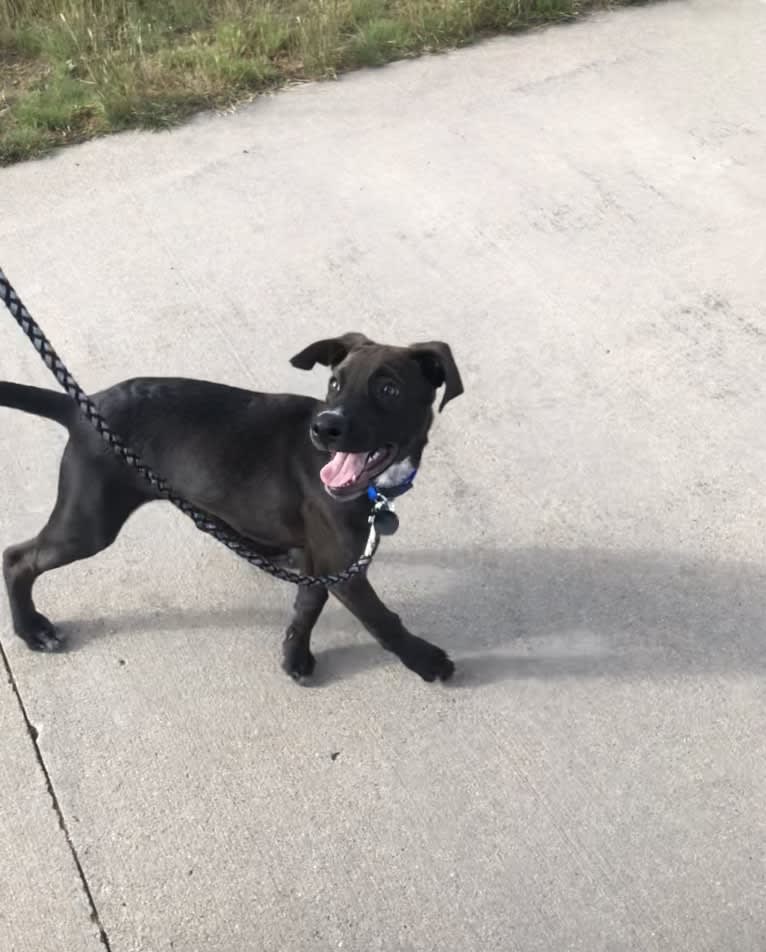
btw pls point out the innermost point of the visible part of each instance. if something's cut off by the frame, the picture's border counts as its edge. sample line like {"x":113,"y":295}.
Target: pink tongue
{"x":343,"y":468}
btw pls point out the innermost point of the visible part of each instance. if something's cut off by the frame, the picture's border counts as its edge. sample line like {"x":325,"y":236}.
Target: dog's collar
{"x":382,"y":519}
{"x":391,"y":492}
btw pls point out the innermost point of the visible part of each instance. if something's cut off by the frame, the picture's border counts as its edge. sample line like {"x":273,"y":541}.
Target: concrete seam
{"x":33,"y":735}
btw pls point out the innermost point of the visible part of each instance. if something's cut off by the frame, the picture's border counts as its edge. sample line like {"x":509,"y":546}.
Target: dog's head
{"x":375,"y":420}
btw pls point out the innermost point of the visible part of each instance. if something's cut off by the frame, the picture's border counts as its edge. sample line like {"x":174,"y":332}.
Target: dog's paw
{"x":429,"y":661}
{"x":40,"y":634}
{"x":297,"y":662}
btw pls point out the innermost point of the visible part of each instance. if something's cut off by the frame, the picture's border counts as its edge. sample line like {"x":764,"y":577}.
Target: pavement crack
{"x":34,"y":737}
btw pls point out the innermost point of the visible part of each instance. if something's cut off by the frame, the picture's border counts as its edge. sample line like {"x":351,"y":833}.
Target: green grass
{"x":73,"y":69}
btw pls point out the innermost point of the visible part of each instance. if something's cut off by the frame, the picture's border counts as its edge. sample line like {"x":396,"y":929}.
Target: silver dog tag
{"x":386,"y":522}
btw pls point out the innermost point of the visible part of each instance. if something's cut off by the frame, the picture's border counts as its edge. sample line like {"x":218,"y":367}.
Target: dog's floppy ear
{"x":328,"y":352}
{"x":438,"y":365}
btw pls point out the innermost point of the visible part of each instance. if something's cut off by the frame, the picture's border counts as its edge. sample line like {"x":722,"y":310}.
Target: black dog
{"x":288,"y":472}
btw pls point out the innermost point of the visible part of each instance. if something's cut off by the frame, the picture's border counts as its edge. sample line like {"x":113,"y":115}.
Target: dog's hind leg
{"x":297,"y":659}
{"x":92,"y":506}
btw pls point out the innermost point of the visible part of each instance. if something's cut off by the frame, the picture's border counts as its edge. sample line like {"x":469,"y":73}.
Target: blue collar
{"x":391,"y":492}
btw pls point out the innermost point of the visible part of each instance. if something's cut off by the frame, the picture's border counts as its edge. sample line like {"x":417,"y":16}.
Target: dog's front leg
{"x":386,"y":627}
{"x":297,"y":659}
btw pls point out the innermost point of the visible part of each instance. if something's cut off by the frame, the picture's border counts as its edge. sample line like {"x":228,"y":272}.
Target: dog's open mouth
{"x":351,"y":473}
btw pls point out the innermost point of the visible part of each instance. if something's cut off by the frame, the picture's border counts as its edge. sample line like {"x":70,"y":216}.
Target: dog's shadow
{"x":558,"y":613}
{"x":538,"y":613}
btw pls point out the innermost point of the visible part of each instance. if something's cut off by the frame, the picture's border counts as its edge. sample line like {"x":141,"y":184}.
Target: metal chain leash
{"x":204,"y":521}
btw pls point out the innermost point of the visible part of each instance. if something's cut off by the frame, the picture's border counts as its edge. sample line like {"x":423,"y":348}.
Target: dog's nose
{"x":329,"y":427}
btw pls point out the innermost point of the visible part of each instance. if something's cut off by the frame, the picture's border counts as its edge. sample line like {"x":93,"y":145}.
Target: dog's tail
{"x":44,"y":403}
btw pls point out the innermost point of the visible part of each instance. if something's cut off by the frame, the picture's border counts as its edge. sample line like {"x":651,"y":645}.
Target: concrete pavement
{"x":581,"y":212}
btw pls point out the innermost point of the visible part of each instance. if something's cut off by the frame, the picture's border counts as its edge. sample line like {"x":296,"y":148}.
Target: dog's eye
{"x":334,"y":385}
{"x":389,"y":390}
